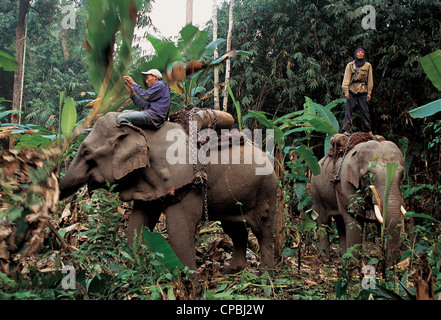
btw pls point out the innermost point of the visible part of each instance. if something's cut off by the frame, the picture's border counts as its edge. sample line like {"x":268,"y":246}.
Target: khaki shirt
{"x":363,"y":82}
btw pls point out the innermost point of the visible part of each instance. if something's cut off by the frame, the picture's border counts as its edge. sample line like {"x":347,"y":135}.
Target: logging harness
{"x":337,"y":184}
{"x":200,"y":177}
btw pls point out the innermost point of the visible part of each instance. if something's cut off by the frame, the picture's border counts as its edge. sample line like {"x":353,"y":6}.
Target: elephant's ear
{"x":130,"y":152}
{"x":353,"y":171}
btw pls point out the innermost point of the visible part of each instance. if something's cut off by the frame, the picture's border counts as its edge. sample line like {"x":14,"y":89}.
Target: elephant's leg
{"x":264,"y":230}
{"x":238,"y":233}
{"x":143,"y":214}
{"x":353,"y":231}
{"x":182,"y":220}
{"x":323,"y":226}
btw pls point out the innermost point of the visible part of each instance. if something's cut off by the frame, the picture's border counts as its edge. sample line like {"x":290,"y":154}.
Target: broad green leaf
{"x":308,"y":156}
{"x":307,"y":224}
{"x":322,"y":125}
{"x":36,"y":140}
{"x":192,"y":42}
{"x":327,"y":115}
{"x":335,"y":103}
{"x":431,"y":64}
{"x":68,"y":117}
{"x":427,"y":110}
{"x":157,"y":244}
{"x":280,"y":138}
{"x":210,"y":48}
{"x":391,"y":170}
{"x":7,"y":62}
{"x":411,"y":214}
{"x":110,"y":22}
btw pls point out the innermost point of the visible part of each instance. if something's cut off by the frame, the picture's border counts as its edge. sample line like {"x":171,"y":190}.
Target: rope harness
{"x":337,"y":152}
{"x":200,"y":177}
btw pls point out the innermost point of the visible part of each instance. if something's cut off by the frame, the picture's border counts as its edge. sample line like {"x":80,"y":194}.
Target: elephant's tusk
{"x":403,"y":211}
{"x":375,"y":193}
{"x":378,"y":214}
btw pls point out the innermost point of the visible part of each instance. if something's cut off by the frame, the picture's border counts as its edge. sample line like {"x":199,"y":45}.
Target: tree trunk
{"x":189,"y":12}
{"x":20,"y":53}
{"x":64,"y":44}
{"x":215,"y":56}
{"x":227,"y":66}
{"x":20,"y":36}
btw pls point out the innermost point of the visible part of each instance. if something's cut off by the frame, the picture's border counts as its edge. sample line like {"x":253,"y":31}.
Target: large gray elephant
{"x":141,"y":164}
{"x":361,"y":168}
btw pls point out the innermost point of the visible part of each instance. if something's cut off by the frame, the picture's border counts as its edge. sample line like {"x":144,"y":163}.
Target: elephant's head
{"x":364,"y":168}
{"x":108,"y":154}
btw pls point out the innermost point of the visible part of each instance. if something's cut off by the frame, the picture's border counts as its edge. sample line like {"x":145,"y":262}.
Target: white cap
{"x":154,"y":72}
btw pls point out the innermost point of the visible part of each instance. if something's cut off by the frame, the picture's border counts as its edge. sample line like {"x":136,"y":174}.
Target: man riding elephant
{"x":154,"y":102}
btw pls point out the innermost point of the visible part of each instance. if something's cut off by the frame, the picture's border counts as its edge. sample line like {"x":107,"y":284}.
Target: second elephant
{"x":362,"y":167}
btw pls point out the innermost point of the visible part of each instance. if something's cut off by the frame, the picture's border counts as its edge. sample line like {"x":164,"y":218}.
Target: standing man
{"x":357,"y":87}
{"x":154,"y":102}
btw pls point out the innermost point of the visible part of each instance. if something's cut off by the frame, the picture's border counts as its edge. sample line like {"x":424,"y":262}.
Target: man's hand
{"x":129,"y":80}
{"x":347,"y":96}
{"x":368,"y":97}
{"x":129,"y":88}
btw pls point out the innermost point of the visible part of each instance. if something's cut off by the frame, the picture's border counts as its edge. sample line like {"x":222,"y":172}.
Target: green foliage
{"x":7,"y":62}
{"x":391,"y":170}
{"x":108,"y":269}
{"x":431,"y":64}
{"x":68,"y":117}
{"x":191,"y":47}
{"x":169,"y":261}
{"x":112,"y":26}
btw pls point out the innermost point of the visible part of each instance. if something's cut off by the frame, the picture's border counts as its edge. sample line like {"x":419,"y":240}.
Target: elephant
{"x":137,"y":162}
{"x":333,"y":193}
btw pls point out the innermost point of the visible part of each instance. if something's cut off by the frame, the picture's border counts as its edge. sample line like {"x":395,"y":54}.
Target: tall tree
{"x":20,"y":35}
{"x":189,"y":12}
{"x":228,"y":65}
{"x":215,"y":56}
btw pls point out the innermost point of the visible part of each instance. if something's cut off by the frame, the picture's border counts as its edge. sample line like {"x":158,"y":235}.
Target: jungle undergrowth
{"x":106,"y":268}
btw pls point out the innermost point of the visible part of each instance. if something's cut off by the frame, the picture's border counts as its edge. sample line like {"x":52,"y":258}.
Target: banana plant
{"x":313,"y":117}
{"x":109,"y":37}
{"x":431,"y":64}
{"x":184,"y":64}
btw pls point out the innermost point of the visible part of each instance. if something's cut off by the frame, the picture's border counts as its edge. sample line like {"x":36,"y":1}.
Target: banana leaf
{"x":158,"y":245}
{"x":391,"y":170}
{"x":427,"y":110}
{"x":431,"y":64}
{"x":192,"y":42}
{"x":7,"y":62}
{"x":109,"y":21}
{"x":68,"y":117}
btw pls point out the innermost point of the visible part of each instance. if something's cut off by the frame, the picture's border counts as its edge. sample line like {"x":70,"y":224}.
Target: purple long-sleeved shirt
{"x":155,"y":101}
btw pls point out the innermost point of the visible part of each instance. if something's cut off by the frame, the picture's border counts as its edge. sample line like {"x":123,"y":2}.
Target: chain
{"x":202,"y":174}
{"x":337,"y":175}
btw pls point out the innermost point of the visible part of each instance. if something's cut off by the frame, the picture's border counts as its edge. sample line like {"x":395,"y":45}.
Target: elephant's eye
{"x":85,"y":152}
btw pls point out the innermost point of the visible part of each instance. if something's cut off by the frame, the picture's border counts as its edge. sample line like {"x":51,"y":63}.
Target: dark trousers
{"x":361,"y":99}
{"x":137,"y":118}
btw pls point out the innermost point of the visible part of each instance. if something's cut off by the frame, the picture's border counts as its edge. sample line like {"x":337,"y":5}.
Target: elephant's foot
{"x":232,"y":269}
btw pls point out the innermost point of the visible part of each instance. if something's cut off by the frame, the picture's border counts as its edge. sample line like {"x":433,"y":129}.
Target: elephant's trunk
{"x":393,"y":222}
{"x":76,"y":176}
